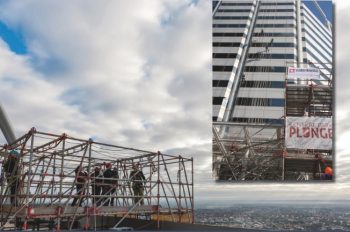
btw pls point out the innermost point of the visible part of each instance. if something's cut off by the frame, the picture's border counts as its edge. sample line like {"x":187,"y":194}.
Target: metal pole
{"x":58,"y":226}
{"x":235,"y":86}
{"x":158,"y":183}
{"x":179,"y":173}
{"x":192,"y":195}
{"x":6,"y":127}
{"x":299,"y":35}
{"x":29,"y":179}
{"x":86,"y":226}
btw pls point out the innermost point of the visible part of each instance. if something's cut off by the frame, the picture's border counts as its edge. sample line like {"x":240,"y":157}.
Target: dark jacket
{"x":97,"y":178}
{"x":137,"y":177}
{"x":10,"y":165}
{"x":110,"y":175}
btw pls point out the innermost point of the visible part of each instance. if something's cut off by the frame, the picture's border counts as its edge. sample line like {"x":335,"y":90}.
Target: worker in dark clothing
{"x":107,"y":183}
{"x":11,"y":169}
{"x":114,"y":185}
{"x":97,"y":184}
{"x":137,"y":177}
{"x":80,"y":180}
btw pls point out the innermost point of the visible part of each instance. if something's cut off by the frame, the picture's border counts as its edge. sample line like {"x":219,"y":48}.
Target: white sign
{"x":309,"y":133}
{"x":303,"y":73}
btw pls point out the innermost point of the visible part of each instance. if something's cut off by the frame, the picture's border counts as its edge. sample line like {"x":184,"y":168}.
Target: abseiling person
{"x":138,"y":178}
{"x":11,"y":169}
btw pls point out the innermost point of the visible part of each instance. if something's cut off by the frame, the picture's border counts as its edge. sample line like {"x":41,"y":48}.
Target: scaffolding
{"x":256,"y":151}
{"x":310,"y":98}
{"x":47,"y":184}
{"x":247,"y":151}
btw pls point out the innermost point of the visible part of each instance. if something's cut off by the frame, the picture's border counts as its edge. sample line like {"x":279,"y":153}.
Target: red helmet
{"x":108,"y":165}
{"x":328,"y":170}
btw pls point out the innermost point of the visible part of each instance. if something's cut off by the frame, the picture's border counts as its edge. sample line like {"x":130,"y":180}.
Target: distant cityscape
{"x":277,"y":218}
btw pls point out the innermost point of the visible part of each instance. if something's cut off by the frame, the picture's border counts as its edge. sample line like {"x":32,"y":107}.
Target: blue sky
{"x":13,"y":38}
{"x":326,"y":6}
{"x":16,"y":41}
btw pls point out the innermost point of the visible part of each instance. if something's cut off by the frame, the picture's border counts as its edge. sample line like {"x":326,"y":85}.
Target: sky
{"x":326,"y":6}
{"x":138,"y":73}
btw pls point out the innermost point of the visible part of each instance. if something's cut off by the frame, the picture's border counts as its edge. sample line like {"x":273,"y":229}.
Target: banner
{"x":303,"y":73}
{"x":309,"y":133}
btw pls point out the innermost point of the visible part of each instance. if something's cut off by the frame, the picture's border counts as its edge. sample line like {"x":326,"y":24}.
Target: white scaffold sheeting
{"x":303,"y":73}
{"x":309,"y":133}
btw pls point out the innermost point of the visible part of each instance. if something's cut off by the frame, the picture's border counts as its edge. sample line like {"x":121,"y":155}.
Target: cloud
{"x":122,"y":69}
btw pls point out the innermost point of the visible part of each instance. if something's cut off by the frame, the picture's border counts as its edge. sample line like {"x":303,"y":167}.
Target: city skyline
{"x":91,"y":50}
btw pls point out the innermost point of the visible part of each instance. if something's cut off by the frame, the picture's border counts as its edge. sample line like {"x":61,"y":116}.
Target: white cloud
{"x":121,"y":68}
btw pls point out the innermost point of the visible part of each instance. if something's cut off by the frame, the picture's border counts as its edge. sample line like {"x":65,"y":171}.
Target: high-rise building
{"x":254,"y":43}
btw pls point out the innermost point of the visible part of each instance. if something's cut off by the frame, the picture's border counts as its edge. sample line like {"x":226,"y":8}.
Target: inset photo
{"x":273,"y":98}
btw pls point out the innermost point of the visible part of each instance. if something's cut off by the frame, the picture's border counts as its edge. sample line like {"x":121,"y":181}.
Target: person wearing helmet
{"x":97,"y":184}
{"x":138,"y":178}
{"x":328,"y":174}
{"x":11,"y":169}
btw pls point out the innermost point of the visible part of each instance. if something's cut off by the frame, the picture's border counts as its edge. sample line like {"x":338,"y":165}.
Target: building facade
{"x":253,"y":44}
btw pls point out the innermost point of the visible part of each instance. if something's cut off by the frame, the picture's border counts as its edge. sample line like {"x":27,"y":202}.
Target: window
{"x":325,"y":49}
{"x":257,"y":25}
{"x":271,"y":121}
{"x":263,"y":84}
{"x":274,"y":34}
{"x":271,"y":56}
{"x":235,"y":10}
{"x":265,"y":69}
{"x":318,"y":36}
{"x":277,"y":4}
{"x":275,"y":25}
{"x":325,"y":32}
{"x":276,"y":17}
{"x":228,"y":34}
{"x":236,"y":4}
{"x":217,"y":100}
{"x":219,"y":68}
{"x":274,"y":45}
{"x":229,"y":25}
{"x":232,"y":17}
{"x":277,"y":10}
{"x":220,"y":83}
{"x":245,"y":101}
{"x":224,"y":44}
{"x":225,"y":55}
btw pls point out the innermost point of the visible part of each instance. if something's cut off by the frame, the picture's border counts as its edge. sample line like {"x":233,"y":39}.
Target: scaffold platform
{"x":48,"y":184}
{"x":308,"y":97}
